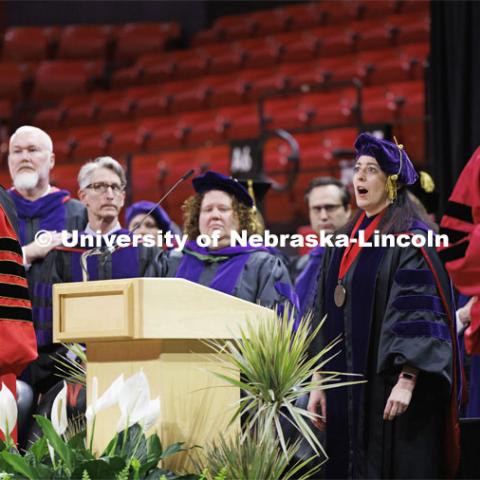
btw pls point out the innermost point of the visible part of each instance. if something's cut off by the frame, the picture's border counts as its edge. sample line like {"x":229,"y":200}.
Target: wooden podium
{"x":156,"y":324}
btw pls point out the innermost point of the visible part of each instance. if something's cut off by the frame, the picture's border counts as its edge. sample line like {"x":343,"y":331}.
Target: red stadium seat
{"x":411,"y":6}
{"x":222,"y":58}
{"x":334,"y":40}
{"x":49,"y":118}
{"x":197,"y":127}
{"x":384,"y":66}
{"x":320,"y":72}
{"x":208,"y":36}
{"x":85,"y":111}
{"x":312,"y":109}
{"x":338,"y":11}
{"x":147,"y":182}
{"x":87,"y":142}
{"x":13,"y":77}
{"x":135,"y":39}
{"x":374,"y":106}
{"x":238,"y":122}
{"x":127,"y":77}
{"x":231,"y":27}
{"x":162,"y":132}
{"x":258,"y":52}
{"x":411,"y":28}
{"x":63,"y":77}
{"x":372,"y":34}
{"x":123,"y":138}
{"x":339,"y":139}
{"x":298,"y":46}
{"x":85,"y":41}
{"x":29,"y":43}
{"x":270,"y":21}
{"x":65,"y":176}
{"x":230,"y":89}
{"x":188,"y":94}
{"x":407,"y":99}
{"x":63,"y":146}
{"x":305,"y":15}
{"x":259,"y":82}
{"x":377,"y":9}
{"x":115,"y":105}
{"x":5,"y":179}
{"x":5,"y":109}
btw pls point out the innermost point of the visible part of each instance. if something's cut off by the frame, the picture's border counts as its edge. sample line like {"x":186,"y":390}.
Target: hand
{"x":317,"y":404}
{"x":399,"y":398}
{"x":36,"y":250}
{"x":465,"y":313}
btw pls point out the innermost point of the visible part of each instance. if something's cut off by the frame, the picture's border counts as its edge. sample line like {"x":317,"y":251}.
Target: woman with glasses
{"x":221,"y":206}
{"x":393,"y":309}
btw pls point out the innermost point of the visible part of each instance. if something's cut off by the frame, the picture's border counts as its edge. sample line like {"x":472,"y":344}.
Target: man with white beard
{"x":39,"y":207}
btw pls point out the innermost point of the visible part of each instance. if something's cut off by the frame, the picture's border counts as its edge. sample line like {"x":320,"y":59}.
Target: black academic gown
{"x":393,"y":315}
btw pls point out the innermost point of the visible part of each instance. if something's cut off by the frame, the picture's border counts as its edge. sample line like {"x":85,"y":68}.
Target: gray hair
{"x":39,"y":131}
{"x":85,"y":173}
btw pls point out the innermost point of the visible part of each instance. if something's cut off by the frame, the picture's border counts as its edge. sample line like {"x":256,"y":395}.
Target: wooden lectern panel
{"x":147,"y":308}
{"x":101,"y":310}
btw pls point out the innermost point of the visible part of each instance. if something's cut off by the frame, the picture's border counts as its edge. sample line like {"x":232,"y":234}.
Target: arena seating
{"x":118,"y":90}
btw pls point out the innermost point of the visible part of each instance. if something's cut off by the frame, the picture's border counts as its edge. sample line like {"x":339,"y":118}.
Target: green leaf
{"x":38,"y":449}
{"x":154,"y":447}
{"x":77,"y":442}
{"x":61,"y":448}
{"x":172,"y":450}
{"x":135,"y":443}
{"x":100,"y":469}
{"x":111,"y":447}
{"x":20,"y":465}
{"x":158,"y":473}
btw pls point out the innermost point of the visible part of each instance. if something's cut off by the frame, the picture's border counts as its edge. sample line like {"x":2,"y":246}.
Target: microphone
{"x":103,"y":251}
{"x":184,"y":177}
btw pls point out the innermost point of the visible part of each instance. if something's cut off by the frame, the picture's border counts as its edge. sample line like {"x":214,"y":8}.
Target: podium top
{"x":147,"y":308}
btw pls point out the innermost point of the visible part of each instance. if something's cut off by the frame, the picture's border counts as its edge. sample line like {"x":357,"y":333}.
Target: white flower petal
{"x":109,"y":398}
{"x":8,"y":410}
{"x":58,"y":414}
{"x":134,"y":395}
{"x":147,"y":416}
{"x":111,"y":395}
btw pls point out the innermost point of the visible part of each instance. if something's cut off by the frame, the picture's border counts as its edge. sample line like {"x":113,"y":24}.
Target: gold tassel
{"x":256,"y":223}
{"x":426,"y":182}
{"x":391,"y":187}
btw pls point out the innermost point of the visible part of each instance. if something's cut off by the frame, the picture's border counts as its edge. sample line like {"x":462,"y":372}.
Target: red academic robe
{"x":18,"y":346}
{"x":461,"y":223}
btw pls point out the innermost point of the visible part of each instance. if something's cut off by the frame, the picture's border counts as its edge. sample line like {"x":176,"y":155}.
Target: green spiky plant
{"x":270,"y":363}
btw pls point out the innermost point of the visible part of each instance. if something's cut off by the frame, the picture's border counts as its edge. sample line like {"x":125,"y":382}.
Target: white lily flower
{"x":109,"y":398}
{"x":8,"y":411}
{"x":147,"y":415}
{"x":58,"y":414}
{"x":134,"y":396}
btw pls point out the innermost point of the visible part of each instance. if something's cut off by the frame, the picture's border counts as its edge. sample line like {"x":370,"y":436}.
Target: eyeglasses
{"x":102,"y":187}
{"x":329,"y":208}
